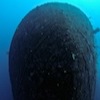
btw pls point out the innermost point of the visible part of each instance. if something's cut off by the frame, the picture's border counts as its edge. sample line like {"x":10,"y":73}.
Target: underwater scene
{"x":50,"y":50}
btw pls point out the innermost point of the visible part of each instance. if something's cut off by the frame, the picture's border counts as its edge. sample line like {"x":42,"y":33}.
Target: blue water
{"x":12,"y":12}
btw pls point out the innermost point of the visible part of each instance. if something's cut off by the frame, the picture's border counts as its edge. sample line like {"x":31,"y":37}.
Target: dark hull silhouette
{"x":52,"y":55}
